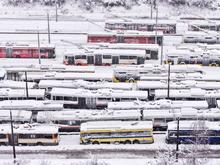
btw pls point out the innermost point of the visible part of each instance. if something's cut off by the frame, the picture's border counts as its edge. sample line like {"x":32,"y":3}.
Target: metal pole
{"x":177,"y":139}
{"x":161,"y":57}
{"x":56,"y":12}
{"x":168,"y":83}
{"x":48,"y":27}
{"x":151,"y":9}
{"x":12,"y":137}
{"x":38,"y":40}
{"x":156,"y":24}
{"x":26,"y":85}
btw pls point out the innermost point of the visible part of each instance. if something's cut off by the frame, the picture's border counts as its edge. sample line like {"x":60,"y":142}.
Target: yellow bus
{"x":116,"y":132}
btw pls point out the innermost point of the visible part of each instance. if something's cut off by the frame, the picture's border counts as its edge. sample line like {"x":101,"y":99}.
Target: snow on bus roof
{"x":7,"y":92}
{"x":101,"y":93}
{"x":69,"y":76}
{"x":83,"y":84}
{"x":203,"y":22}
{"x":157,"y":104}
{"x":122,"y":46}
{"x":116,"y":125}
{"x":16,"y":84}
{"x":29,"y":129}
{"x":44,"y":105}
{"x":126,"y":33}
{"x":16,"y":115}
{"x":31,"y":45}
{"x":86,"y":114}
{"x":141,"y":21}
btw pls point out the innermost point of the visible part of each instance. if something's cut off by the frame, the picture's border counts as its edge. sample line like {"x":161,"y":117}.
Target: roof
{"x":115,"y":125}
{"x":100,"y":93}
{"x":16,"y":84}
{"x":16,"y":115}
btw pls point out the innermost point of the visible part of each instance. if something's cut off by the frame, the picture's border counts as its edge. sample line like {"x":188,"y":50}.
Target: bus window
{"x":78,"y":57}
{"x":124,"y":57}
{"x":107,"y":57}
{"x":132,"y":57}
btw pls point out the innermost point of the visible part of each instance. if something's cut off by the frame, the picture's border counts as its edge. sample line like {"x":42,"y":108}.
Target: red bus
{"x":134,"y":37}
{"x":26,"y":51}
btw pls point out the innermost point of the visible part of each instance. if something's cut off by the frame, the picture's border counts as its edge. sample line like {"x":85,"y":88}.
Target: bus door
{"x":205,"y":61}
{"x":140,"y":60}
{"x":211,"y":102}
{"x":115,"y":59}
{"x":90,"y":59}
{"x":120,"y":39}
{"x":15,"y":139}
{"x":154,"y":55}
{"x":9,"y":52}
{"x":98,"y":59}
{"x":71,"y":60}
{"x":91,"y":102}
{"x":81,"y":102}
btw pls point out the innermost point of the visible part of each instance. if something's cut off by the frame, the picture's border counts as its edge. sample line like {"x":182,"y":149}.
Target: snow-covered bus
{"x":21,"y":94}
{"x":83,"y":98}
{"x":194,"y":132}
{"x":17,"y":84}
{"x":210,"y":96}
{"x":49,"y":84}
{"x":105,"y":57}
{"x":116,"y":132}
{"x":29,"y":134}
{"x":70,"y":120}
{"x":165,"y":25}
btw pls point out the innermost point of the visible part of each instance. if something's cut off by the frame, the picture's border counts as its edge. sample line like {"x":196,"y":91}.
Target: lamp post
{"x":12,"y":137}
{"x":38,"y":41}
{"x":48,"y":27}
{"x":168,"y":82}
{"x":177,"y":139}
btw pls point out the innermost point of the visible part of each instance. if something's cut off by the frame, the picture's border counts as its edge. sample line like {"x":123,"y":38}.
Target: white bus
{"x":105,"y":57}
{"x":21,"y":94}
{"x":70,"y":120}
{"x":126,"y":132}
{"x":29,"y":134}
{"x":83,"y":98}
{"x":158,"y":104}
{"x":16,"y":84}
{"x":49,"y":84}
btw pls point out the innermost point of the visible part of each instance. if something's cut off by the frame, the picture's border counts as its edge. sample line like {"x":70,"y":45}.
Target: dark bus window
{"x":107,"y":57}
{"x":132,"y":57}
{"x":78,"y":57}
{"x":124,"y":57}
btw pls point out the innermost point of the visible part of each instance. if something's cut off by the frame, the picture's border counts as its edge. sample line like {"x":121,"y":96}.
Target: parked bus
{"x":126,"y":132}
{"x":49,"y":84}
{"x":21,"y":94}
{"x":17,"y":84}
{"x":151,"y":50}
{"x":105,"y":57}
{"x":83,"y":98}
{"x":26,"y":51}
{"x":194,"y":132}
{"x":70,"y":120}
{"x":131,"y":37}
{"x":29,"y":134}
{"x":166,"y":26}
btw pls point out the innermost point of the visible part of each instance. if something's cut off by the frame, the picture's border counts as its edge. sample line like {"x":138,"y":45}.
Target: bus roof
{"x":16,"y":84}
{"x":16,"y":115}
{"x":101,"y":93}
{"x":141,"y":21}
{"x":116,"y":125}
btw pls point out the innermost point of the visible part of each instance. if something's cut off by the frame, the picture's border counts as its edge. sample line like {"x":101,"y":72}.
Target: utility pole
{"x":12,"y":137}
{"x":168,"y":82}
{"x":151,"y":9}
{"x":56,"y":12}
{"x":177,"y":139}
{"x":161,"y":52}
{"x":156,"y":23}
{"x":48,"y":27}
{"x":38,"y":41}
{"x":26,"y":85}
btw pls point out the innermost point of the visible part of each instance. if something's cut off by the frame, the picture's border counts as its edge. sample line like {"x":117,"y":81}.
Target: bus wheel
{"x":17,"y":56}
{"x":127,"y":142}
{"x":117,"y":142}
{"x":78,"y":64}
{"x":136,"y":142}
{"x":107,"y":64}
{"x":39,"y":144}
{"x":95,"y":142}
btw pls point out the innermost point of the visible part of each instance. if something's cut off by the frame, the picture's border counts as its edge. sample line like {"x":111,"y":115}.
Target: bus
{"x":17,"y":84}
{"x":92,"y":99}
{"x":70,"y":120}
{"x":194,"y":132}
{"x":158,"y":104}
{"x":21,"y":94}
{"x":151,"y":50}
{"x":130,"y":37}
{"x":105,"y":57}
{"x":210,"y":96}
{"x":166,"y":26}
{"x":29,"y":134}
{"x":27,"y":51}
{"x":49,"y":84}
{"x":116,"y":132}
